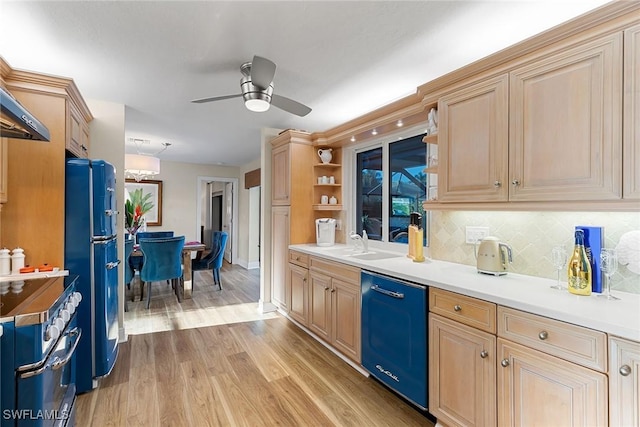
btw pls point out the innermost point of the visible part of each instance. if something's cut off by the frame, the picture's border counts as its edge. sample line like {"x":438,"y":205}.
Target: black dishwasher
{"x":394,"y":334}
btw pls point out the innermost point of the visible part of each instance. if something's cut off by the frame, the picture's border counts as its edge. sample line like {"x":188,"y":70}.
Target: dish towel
{"x":628,"y":250}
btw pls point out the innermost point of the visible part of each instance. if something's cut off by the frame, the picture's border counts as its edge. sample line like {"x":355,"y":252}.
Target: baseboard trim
{"x":266,"y":307}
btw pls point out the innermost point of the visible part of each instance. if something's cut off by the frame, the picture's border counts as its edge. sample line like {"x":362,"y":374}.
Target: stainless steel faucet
{"x":360,"y":242}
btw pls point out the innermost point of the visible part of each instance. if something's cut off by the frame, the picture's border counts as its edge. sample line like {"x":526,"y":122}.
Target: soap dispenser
{"x":416,"y":251}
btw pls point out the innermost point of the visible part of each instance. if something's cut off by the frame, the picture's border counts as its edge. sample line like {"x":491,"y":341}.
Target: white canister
{"x":332,"y":179}
{"x":324,"y":199}
{"x":333,"y":200}
{"x":17,"y":260}
{"x":5,"y":262}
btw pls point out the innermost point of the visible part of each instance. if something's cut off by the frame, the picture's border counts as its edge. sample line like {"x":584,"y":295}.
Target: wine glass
{"x":559,"y":261}
{"x":609,"y":266}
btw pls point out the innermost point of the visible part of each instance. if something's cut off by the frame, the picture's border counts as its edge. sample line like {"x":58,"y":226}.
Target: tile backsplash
{"x":531,"y":235}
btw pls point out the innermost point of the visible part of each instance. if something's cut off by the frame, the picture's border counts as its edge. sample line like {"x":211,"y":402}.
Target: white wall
{"x":107,"y":143}
{"x":248,"y":226}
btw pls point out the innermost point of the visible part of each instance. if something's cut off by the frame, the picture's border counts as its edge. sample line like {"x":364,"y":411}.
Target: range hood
{"x":17,"y":122}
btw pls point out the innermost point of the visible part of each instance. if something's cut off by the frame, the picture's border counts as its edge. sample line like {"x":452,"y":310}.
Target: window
{"x":390,"y":185}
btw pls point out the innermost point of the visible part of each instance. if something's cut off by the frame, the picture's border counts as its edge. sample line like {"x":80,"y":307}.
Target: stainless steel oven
{"x":38,"y":347}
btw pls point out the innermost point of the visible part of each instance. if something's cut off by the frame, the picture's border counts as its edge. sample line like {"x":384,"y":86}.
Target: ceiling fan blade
{"x":262,"y":72}
{"x":290,"y":106}
{"x":215,"y":98}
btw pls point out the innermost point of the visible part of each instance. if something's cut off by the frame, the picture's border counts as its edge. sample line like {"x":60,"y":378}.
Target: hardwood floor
{"x":261,"y":372}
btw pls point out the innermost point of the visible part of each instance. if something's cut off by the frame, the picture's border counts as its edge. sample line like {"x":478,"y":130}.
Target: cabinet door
{"x":631,"y":137}
{"x":536,"y":389}
{"x":624,"y":382}
{"x":345,"y":317}
{"x":280,"y":175}
{"x":472,"y":142}
{"x":462,"y":374}
{"x":74,"y":132}
{"x":565,"y":124}
{"x":299,"y":293}
{"x":320,"y":305}
{"x":3,"y":170}
{"x":279,"y":255}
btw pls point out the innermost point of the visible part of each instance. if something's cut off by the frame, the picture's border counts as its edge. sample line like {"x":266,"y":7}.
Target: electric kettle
{"x":493,"y":256}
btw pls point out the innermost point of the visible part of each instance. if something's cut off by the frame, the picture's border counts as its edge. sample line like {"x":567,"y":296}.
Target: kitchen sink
{"x":370,"y":256}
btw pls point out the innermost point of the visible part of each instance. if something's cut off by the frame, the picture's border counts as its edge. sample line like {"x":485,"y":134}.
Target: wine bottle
{"x":579,"y":270}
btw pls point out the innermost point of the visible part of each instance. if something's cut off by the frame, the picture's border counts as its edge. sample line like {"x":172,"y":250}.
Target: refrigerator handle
{"x":111,"y":212}
{"x":111,"y":265}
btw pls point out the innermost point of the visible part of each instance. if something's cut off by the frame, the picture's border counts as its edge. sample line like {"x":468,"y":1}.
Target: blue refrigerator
{"x":91,"y":253}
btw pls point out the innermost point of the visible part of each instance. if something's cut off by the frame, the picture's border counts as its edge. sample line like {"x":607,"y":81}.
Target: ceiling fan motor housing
{"x":251,"y":92}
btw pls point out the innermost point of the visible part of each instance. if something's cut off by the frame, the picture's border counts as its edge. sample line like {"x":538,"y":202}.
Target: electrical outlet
{"x":473,"y":234}
{"x":338,"y":224}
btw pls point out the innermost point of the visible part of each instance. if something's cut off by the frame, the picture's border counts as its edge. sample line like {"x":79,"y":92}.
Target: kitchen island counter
{"x":527,"y":293}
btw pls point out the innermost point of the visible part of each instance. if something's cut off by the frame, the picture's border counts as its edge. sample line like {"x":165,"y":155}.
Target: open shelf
{"x":327,"y":165}
{"x":431,"y":169}
{"x":31,"y":276}
{"x":327,"y":185}
{"x":327,"y":207}
{"x":430,"y":139}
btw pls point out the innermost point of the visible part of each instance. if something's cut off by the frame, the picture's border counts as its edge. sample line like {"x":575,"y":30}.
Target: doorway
{"x":218,"y":211}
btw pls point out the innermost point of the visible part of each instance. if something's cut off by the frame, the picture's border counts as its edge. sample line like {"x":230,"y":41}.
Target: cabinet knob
{"x":505,"y":362}
{"x":625,"y":370}
{"x":326,"y":288}
{"x":515,"y":182}
{"x":484,"y":354}
{"x":333,"y":290}
{"x":543,"y":335}
{"x":304,"y":279}
{"x":457,"y":307}
{"x":497,"y":184}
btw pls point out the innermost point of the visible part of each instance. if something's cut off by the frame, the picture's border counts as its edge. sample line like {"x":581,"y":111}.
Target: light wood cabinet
{"x":631,"y":131}
{"x":298,"y":283}
{"x":566,"y":123}
{"x":78,"y":138}
{"x":473,"y":137}
{"x":334,"y":305}
{"x":292,"y":218}
{"x":535,"y":388}
{"x":3,"y":170}
{"x":327,"y":170}
{"x":624,"y":382}
{"x":462,"y":374}
{"x":280,"y":226}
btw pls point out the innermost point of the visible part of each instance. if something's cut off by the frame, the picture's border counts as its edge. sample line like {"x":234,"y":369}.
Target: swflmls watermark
{"x":30,"y":414}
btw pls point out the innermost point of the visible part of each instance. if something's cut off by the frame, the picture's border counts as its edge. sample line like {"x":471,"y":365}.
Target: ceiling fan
{"x":257,"y":89}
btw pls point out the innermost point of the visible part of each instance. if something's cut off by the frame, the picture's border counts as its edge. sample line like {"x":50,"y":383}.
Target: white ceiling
{"x":341,"y":58}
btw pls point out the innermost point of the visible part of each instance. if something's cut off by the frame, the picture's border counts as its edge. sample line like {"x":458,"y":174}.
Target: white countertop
{"x":527,"y":293}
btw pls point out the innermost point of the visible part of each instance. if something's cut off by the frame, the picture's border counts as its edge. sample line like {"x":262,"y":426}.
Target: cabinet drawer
{"x":469,"y":311}
{"x":299,"y":258}
{"x":576,"y":344}
{"x":335,"y":269}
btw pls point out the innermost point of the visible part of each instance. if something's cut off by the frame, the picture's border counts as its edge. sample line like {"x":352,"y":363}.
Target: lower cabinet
{"x":462,"y":374}
{"x":334,"y":305}
{"x":624,"y":382}
{"x":298,"y":283}
{"x":535,"y":388}
{"x":537,"y":372}
{"x":280,"y":222}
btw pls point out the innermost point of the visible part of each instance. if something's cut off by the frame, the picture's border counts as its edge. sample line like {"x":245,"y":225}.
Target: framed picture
{"x":154,"y":216}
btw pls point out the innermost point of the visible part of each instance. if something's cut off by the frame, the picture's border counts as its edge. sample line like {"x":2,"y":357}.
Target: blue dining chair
{"x":163,"y":261}
{"x":128,"y":271}
{"x":137,"y":262}
{"x":213,"y":260}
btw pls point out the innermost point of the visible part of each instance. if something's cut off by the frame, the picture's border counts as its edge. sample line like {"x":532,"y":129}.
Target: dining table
{"x":184,"y":289}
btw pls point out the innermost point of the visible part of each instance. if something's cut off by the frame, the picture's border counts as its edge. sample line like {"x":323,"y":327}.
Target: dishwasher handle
{"x":387,"y":292}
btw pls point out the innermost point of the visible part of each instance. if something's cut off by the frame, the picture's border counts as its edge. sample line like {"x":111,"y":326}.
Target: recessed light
{"x":399,"y":124}
{"x":374,"y":132}
{"x":353,"y":139}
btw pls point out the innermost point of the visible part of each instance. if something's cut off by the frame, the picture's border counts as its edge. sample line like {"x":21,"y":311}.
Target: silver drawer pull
{"x":505,"y":362}
{"x":457,"y":307}
{"x":387,"y":292}
{"x":497,"y":184}
{"x":625,"y":370}
{"x":484,"y":354}
{"x":543,"y":335}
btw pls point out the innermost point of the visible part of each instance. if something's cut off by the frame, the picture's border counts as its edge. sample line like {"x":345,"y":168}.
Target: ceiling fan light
{"x":140,"y":166}
{"x":257,"y":105}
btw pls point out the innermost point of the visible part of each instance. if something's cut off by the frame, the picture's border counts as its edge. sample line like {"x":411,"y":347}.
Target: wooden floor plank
{"x":208,"y":363}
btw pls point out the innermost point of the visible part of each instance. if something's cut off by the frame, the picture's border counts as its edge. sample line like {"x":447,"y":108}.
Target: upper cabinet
{"x":77,"y":140}
{"x":548,"y":130}
{"x":631,"y":132}
{"x":565,"y":124}
{"x":473,"y":137}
